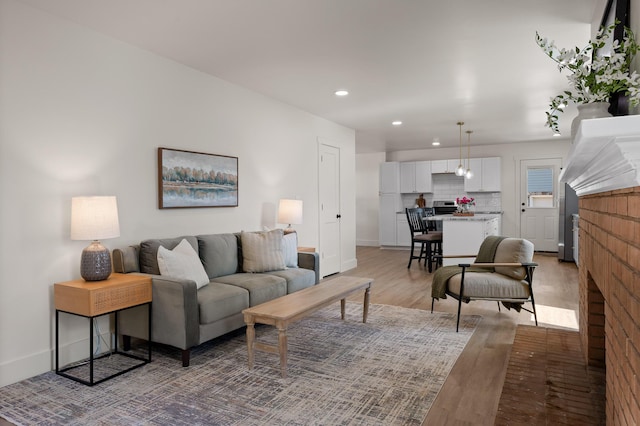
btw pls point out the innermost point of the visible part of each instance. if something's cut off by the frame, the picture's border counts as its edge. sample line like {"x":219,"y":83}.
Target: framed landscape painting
{"x":196,"y":179}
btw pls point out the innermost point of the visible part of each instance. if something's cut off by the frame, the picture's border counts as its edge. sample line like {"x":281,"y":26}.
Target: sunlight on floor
{"x":559,"y":317}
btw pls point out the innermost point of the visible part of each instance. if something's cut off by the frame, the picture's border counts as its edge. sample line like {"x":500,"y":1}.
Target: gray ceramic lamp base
{"x":95,"y":263}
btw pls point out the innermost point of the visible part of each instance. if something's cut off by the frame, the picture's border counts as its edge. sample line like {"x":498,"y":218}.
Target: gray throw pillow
{"x":262,"y":251}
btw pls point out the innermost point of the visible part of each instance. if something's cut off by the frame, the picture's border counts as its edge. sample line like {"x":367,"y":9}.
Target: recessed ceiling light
{"x":396,"y":123}
{"x":341,"y":93}
{"x":436,"y":142}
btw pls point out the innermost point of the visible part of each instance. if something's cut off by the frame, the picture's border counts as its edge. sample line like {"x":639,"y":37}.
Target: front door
{"x":329,"y":210}
{"x":539,"y":202}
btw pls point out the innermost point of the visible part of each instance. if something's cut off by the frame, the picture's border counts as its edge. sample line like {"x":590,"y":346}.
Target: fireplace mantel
{"x":604,"y":156}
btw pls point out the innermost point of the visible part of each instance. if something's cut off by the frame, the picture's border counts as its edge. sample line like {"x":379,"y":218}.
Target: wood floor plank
{"x":471,"y":393}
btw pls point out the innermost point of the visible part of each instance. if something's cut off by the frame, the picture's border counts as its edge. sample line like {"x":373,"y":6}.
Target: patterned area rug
{"x":387,"y":371}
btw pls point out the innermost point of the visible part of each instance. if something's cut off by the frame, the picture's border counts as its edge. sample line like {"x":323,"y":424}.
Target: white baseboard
{"x":349,"y":264}
{"x":41,"y":362}
{"x":367,"y":243}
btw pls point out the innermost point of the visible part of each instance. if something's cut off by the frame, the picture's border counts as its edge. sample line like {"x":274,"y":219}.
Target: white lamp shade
{"x":94,"y":218}
{"x":290,"y":212}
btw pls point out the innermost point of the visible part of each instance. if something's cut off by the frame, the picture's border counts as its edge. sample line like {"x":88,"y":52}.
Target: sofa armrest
{"x":308,"y":260}
{"x":126,"y":259}
{"x":174,"y":314}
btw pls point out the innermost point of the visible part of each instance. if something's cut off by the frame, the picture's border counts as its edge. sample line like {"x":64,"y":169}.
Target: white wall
{"x":83,"y":114}
{"x":511,"y":155}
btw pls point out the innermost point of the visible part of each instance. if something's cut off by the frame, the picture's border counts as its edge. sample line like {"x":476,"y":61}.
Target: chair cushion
{"x":297,"y":278}
{"x":261,"y":287}
{"x":430,"y":237}
{"x":513,"y":250}
{"x":489,"y":285}
{"x":217,"y":301}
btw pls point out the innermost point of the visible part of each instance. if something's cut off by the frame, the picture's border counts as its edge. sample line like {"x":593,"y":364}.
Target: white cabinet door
{"x":423,"y":177}
{"x":444,"y":166}
{"x":438,"y":166}
{"x":491,"y":174}
{"x":408,"y":177}
{"x":403,"y":235}
{"x":390,"y":205}
{"x":390,"y":177}
{"x":486,"y":175}
{"x":475,"y":183}
{"x":452,"y":165}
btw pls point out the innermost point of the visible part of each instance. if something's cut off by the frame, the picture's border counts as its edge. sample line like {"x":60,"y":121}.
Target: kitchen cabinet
{"x":403,"y":235}
{"x":415,"y":177}
{"x":389,"y":177}
{"x":390,"y":205}
{"x":463,"y":236}
{"x":486,"y":175}
{"x":444,"y":166}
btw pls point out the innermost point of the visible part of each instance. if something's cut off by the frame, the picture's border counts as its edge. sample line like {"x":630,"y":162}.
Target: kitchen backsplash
{"x":448,"y":187}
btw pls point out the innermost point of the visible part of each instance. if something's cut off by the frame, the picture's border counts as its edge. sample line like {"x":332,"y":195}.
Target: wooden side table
{"x":97,"y":298}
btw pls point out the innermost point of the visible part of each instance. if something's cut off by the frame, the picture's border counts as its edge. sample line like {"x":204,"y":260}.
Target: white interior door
{"x":539,"y":202}
{"x":329,"y":210}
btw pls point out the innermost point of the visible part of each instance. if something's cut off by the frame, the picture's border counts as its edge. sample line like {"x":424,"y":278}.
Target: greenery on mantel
{"x":594,"y":74}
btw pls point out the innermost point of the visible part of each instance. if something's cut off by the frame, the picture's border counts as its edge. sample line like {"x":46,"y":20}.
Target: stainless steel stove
{"x":444,"y":207}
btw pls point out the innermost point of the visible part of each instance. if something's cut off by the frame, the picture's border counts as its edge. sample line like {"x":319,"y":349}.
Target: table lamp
{"x":93,"y":219}
{"x":290,"y":212}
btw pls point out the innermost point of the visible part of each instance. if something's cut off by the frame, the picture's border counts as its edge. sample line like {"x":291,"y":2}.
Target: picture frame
{"x":188,"y":179}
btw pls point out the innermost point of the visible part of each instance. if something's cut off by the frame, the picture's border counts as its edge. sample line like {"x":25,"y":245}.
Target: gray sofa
{"x":183,"y":315}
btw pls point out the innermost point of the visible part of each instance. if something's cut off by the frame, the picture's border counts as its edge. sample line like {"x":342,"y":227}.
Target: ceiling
{"x":429,"y":64}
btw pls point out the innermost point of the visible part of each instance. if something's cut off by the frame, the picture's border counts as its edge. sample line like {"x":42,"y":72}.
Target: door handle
{"x":522,"y":210}
{"x":338,"y":216}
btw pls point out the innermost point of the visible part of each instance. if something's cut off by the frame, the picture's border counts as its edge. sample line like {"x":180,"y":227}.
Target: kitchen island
{"x":463,"y":235}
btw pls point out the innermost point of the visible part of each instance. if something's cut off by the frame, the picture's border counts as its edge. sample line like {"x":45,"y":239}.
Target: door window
{"x":540,"y":187}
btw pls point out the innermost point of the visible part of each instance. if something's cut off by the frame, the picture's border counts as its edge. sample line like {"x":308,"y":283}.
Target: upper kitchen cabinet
{"x":390,"y":177}
{"x":486,"y":175}
{"x":444,"y":166}
{"x":415,"y":177}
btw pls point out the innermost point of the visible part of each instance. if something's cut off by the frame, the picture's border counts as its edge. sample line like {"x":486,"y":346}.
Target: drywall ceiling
{"x":426,"y":63}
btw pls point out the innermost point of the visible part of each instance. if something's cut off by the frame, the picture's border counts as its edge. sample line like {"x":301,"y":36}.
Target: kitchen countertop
{"x":476,"y":217}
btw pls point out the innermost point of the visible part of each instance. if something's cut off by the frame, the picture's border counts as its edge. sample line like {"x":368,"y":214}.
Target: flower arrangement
{"x":594,"y":76}
{"x":465,"y":201}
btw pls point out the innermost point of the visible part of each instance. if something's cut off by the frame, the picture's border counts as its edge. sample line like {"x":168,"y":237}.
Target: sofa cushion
{"x":219,"y":254}
{"x":261,"y":287}
{"x":290,"y":249}
{"x":489,"y":284}
{"x":262,"y":251}
{"x":149,"y":252}
{"x":513,"y":250}
{"x":182,"y":262}
{"x":297,"y":278}
{"x":217,"y":301}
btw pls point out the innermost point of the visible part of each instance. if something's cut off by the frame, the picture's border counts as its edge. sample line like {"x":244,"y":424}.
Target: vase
{"x":587,"y":111}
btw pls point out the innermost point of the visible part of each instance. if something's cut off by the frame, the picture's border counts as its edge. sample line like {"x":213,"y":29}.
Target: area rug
{"x":387,"y":371}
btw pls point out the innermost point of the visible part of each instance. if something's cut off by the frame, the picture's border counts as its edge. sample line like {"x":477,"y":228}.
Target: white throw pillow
{"x":182,"y":262}
{"x":290,"y":249}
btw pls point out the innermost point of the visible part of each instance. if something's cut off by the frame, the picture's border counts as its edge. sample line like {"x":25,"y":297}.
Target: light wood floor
{"x":472,"y":391}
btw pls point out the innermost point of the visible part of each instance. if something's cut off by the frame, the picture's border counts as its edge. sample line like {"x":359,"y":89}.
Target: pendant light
{"x":468,"y":173}
{"x":460,"y":170}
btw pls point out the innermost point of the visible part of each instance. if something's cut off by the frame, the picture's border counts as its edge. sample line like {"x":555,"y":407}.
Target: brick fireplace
{"x":604,"y":169}
{"x":610,"y":295}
